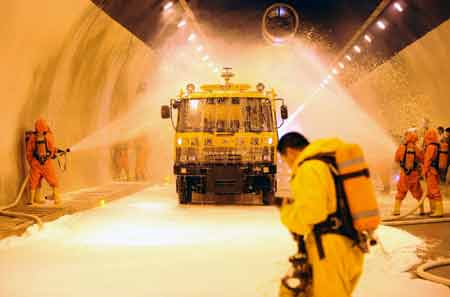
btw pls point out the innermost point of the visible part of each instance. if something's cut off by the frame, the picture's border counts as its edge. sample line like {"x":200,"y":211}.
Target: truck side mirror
{"x":165,"y":112}
{"x":284,"y":112}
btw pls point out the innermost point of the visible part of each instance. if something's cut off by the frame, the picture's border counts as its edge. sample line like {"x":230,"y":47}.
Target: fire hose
{"x":5,"y":212}
{"x":397,"y":220}
{"x":421,"y":271}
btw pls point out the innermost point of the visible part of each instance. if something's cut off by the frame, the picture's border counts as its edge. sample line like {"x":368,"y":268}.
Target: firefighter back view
{"x":40,"y":150}
{"x":332,"y":214}
{"x":410,"y":157}
{"x":431,"y":170}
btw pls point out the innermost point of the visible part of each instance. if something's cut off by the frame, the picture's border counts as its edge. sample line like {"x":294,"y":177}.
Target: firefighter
{"x":447,"y":140}
{"x":447,"y":135}
{"x":122,"y":161}
{"x":410,"y":157}
{"x":431,"y":172}
{"x":40,"y":150}
{"x":441,"y":133}
{"x":142,"y":146}
{"x":314,"y":200}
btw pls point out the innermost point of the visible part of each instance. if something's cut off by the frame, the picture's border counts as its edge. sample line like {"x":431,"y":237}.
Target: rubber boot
{"x":396,"y":211}
{"x":32,"y":196}
{"x":38,"y":197}
{"x":432,"y":206}
{"x":56,"y":196}
{"x":438,"y":209}
{"x":422,"y":209}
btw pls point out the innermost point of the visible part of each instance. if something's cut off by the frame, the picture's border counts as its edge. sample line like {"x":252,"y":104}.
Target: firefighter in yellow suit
{"x":314,"y":198}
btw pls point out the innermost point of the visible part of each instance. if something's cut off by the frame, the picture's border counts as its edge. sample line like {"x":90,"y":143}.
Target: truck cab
{"x":225,"y":140}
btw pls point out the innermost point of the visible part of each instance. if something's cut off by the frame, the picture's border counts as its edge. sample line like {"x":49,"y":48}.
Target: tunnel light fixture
{"x":325,"y":82}
{"x":341,"y":65}
{"x":329,"y":77}
{"x":348,"y":57}
{"x":192,"y":37}
{"x":398,"y":7}
{"x":368,"y":38}
{"x":182,"y":24}
{"x":210,"y":64}
{"x":334,"y":71}
{"x":168,"y":6}
{"x":357,"y":49}
{"x":381,"y":25}
{"x":216,"y":70}
{"x":200,"y":48}
{"x":205,"y":58}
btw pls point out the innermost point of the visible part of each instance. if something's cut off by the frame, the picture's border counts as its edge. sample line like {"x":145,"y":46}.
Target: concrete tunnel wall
{"x":413,"y":85}
{"x":70,"y":63}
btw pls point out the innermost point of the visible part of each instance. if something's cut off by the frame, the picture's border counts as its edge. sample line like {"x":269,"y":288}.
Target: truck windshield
{"x":225,"y":115}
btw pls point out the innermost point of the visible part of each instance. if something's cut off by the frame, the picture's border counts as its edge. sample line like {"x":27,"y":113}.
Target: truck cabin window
{"x":225,"y":115}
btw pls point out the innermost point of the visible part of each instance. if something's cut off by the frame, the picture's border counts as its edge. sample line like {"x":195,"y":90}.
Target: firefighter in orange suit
{"x":410,"y":157}
{"x":40,"y":150}
{"x":142,"y":146}
{"x":431,"y":172}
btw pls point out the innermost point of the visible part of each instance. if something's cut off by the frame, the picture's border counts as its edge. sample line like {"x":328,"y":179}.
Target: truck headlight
{"x":180,"y":141}
{"x":270,"y":140}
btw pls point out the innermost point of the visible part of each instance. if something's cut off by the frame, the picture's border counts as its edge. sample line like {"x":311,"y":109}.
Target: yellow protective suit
{"x":314,"y":198}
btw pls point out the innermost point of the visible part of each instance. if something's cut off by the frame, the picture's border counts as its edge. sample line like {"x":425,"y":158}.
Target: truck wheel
{"x":185,"y":193}
{"x":268,"y":197}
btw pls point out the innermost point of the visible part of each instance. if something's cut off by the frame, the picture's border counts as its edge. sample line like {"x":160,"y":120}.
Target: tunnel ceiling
{"x":335,"y":20}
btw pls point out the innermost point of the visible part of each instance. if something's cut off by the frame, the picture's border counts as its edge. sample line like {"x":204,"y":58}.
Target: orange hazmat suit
{"x":40,"y":149}
{"x":409,"y":181}
{"x":142,"y":154}
{"x":429,"y":171}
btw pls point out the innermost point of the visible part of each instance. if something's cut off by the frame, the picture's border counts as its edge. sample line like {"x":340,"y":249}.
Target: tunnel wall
{"x":70,"y":63}
{"x":413,"y":85}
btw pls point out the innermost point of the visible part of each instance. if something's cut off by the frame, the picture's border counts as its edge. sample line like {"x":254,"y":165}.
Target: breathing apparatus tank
{"x":408,"y":162}
{"x":359,"y":190}
{"x":42,"y":154}
{"x":443,"y":156}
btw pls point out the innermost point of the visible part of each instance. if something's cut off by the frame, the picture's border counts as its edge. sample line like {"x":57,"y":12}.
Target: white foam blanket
{"x":146,"y":245}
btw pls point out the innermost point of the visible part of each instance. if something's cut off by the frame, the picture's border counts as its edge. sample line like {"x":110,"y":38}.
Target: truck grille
{"x":221,"y":154}
{"x":225,"y":154}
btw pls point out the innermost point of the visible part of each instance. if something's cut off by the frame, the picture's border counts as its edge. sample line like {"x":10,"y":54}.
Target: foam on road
{"x":148,"y":245}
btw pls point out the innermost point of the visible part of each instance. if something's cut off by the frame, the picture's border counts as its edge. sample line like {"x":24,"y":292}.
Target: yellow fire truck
{"x":225,"y":140}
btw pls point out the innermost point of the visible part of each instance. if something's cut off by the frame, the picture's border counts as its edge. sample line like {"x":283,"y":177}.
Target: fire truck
{"x":225,"y":139}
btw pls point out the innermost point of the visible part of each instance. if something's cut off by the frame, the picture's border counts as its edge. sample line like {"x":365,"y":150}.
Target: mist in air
{"x":294,"y":71}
